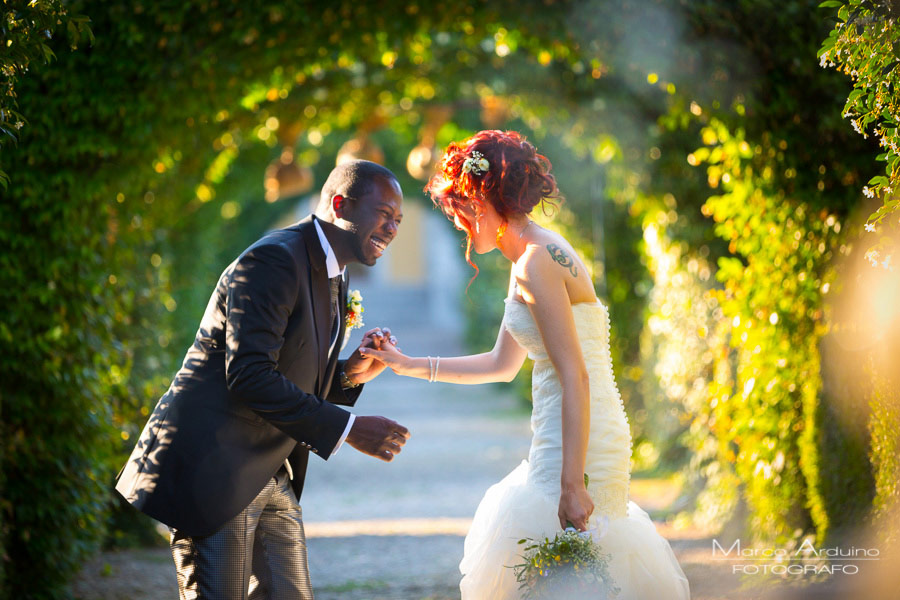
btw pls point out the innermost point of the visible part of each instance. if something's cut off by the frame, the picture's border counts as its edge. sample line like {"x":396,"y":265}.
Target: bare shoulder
{"x":533,"y":263}
{"x":537,"y":270}
{"x":549,"y":252}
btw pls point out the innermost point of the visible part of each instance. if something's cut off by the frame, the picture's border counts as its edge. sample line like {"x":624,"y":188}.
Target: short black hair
{"x":352,"y":179}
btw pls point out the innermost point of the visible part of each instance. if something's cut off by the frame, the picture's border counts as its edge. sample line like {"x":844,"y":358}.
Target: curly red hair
{"x":517,"y":180}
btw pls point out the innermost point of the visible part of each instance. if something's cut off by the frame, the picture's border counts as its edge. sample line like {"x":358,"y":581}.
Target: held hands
{"x":361,"y":368}
{"x":388,"y":355}
{"x":377,"y":436}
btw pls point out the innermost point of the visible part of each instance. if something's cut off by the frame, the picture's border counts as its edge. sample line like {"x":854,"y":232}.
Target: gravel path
{"x":463,"y":440}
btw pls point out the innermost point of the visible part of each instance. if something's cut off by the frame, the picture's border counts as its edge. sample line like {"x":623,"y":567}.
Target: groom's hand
{"x":359,"y":368}
{"x":377,"y":436}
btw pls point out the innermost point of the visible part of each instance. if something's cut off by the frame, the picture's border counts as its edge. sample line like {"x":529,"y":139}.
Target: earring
{"x":500,"y":232}
{"x":477,"y":225}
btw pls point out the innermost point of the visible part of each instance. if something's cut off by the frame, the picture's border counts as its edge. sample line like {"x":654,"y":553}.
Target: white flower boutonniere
{"x":353,"y":318}
{"x":476,"y":164}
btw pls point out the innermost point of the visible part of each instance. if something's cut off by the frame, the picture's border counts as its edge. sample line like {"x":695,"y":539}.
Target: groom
{"x":222,"y":459}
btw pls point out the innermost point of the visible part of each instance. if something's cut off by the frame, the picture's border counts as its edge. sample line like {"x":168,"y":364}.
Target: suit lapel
{"x":342,"y":305}
{"x":320,"y":294}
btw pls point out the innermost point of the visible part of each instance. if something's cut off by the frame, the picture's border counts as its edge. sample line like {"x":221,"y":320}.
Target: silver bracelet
{"x":430,"y":369}
{"x":437,"y":364}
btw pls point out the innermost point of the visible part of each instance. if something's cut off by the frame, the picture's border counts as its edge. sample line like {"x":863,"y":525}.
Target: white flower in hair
{"x":476,"y":164}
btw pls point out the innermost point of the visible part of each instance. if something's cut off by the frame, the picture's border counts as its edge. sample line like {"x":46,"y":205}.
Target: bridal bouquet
{"x":568,"y":566}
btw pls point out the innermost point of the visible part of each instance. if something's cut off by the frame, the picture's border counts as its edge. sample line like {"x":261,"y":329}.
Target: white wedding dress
{"x":525,"y":503}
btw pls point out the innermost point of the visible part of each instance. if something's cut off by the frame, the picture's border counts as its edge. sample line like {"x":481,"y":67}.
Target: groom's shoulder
{"x":289,"y":238}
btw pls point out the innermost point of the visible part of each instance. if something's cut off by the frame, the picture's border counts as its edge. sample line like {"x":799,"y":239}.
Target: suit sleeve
{"x":261,"y":294}
{"x":338,"y":395}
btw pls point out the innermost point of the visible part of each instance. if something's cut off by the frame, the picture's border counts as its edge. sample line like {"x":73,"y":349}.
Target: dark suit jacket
{"x":257,"y":386}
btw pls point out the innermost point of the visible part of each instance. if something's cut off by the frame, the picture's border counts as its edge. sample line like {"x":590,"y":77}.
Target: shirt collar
{"x":331,"y":263}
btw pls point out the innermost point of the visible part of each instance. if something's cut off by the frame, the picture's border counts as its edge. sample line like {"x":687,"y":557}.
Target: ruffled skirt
{"x":642,"y":563}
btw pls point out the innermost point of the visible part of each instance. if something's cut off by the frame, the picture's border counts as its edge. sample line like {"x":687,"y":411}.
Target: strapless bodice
{"x":591,"y":324}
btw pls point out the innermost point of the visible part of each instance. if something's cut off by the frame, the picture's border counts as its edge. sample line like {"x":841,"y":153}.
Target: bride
{"x":488,"y":185}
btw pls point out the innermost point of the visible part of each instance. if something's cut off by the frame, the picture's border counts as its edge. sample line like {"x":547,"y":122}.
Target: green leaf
{"x":48,"y":53}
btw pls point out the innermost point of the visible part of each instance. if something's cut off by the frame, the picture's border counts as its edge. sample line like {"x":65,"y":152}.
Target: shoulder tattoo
{"x":560,"y":256}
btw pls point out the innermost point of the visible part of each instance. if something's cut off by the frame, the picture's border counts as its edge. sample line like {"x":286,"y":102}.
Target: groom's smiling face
{"x":374,"y":218}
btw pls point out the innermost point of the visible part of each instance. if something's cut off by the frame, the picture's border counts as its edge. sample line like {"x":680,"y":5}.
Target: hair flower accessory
{"x":353,"y":318}
{"x":476,"y":164}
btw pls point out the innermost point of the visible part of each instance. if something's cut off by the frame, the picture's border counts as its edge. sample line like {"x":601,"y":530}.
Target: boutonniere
{"x":353,"y":318}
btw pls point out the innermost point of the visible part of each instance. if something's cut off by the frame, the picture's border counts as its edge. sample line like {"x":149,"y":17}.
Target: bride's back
{"x":607,"y":461}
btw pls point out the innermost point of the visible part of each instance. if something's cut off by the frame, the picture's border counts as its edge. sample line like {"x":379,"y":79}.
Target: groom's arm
{"x":262,"y":292}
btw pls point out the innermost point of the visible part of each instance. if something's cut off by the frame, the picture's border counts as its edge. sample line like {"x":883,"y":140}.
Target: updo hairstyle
{"x":516,"y":180}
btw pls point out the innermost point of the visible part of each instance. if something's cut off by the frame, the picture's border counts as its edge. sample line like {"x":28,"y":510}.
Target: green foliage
{"x":125,"y":191}
{"x":138,"y":179}
{"x":25,"y":29}
{"x":772,"y":297}
{"x":884,"y":425}
{"x":864,"y":46}
{"x":766,"y":433}
{"x":678,"y":345}
{"x":570,"y":565}
{"x":58,"y":352}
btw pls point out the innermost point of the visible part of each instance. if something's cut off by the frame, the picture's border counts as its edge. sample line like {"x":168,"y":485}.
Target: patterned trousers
{"x":258,"y":555}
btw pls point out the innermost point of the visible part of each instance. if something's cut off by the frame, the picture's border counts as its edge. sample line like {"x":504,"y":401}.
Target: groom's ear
{"x":339,"y":206}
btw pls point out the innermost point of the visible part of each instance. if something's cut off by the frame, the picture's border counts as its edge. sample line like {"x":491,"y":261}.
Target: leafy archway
{"x":143,"y":149}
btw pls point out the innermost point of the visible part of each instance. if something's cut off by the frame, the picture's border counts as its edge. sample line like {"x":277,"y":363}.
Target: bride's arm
{"x":543,"y":288}
{"x":502,"y":363}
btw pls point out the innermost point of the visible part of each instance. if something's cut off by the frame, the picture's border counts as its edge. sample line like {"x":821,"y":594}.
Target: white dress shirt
{"x":334,"y":269}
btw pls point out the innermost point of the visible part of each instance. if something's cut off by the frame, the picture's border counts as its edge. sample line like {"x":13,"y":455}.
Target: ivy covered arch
{"x":116,"y":170}
{"x":142,"y":149}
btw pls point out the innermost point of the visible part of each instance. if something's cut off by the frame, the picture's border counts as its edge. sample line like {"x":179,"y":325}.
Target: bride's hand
{"x":360,"y":368}
{"x":575,"y":507}
{"x":390,"y":356}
